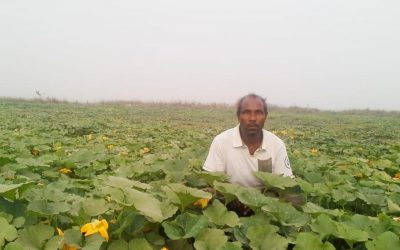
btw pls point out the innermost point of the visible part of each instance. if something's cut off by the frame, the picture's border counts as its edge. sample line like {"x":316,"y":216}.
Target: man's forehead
{"x":252,"y":102}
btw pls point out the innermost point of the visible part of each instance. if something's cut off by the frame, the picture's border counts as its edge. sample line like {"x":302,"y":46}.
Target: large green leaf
{"x":387,"y":240}
{"x":7,"y":231}
{"x":183,"y":196}
{"x":118,"y":245}
{"x":219,"y":214}
{"x":122,"y":182}
{"x":14,"y":246}
{"x":185,"y":225}
{"x":307,"y":241}
{"x":35,"y":237}
{"x":274,"y":180}
{"x":326,"y":226}
{"x":94,"y":207}
{"x":145,"y":203}
{"x":139,"y":244}
{"x":211,"y":239}
{"x":265,"y":237}
{"x":45,"y":207}
{"x":73,"y":237}
{"x":312,"y":208}
{"x":93,"y":242}
{"x":285,"y":213}
{"x":13,"y":191}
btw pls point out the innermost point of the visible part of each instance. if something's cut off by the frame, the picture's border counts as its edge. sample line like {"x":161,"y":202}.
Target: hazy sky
{"x":329,"y":54}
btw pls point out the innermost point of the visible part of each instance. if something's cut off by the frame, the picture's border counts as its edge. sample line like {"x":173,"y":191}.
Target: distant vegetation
{"x":272,"y":107}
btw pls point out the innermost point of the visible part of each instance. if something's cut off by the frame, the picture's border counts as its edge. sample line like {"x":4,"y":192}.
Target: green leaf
{"x":93,"y":242}
{"x":285,"y":213}
{"x":35,"y":237}
{"x":185,"y":225}
{"x":307,"y":241}
{"x":233,"y":246}
{"x":45,"y":207}
{"x":14,"y":246}
{"x":55,"y":242}
{"x":145,"y":203}
{"x":139,"y":244}
{"x":118,"y":245}
{"x":11,"y":191}
{"x":219,"y":215}
{"x":18,"y":222}
{"x":350,"y":233}
{"x":372,"y":225}
{"x":228,"y":190}
{"x":265,"y":237}
{"x":210,"y":239}
{"x":73,"y":237}
{"x":210,"y":177}
{"x":387,"y":240}
{"x":305,"y":186}
{"x":324,"y":226}
{"x":6,"y":216}
{"x":7,"y":231}
{"x":183,"y":195}
{"x":312,"y":208}
{"x":94,"y":207}
{"x":274,"y":180}
{"x":122,"y":182}
{"x":392,"y":207}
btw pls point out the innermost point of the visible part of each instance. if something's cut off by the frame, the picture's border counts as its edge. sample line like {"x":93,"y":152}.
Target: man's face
{"x":252,"y":116}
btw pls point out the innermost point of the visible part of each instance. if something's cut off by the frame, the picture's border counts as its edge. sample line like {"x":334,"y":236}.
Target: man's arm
{"x":281,"y":164}
{"x":215,"y":161}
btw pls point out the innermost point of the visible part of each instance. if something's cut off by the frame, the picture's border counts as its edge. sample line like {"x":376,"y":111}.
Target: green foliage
{"x":139,"y":168}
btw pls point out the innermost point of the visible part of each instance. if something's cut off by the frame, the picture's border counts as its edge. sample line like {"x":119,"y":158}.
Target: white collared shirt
{"x":230,"y":155}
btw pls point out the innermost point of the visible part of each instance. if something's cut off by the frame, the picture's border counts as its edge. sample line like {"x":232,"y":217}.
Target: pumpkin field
{"x":128,"y":176}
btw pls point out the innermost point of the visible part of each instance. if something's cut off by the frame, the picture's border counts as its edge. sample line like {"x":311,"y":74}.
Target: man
{"x":247,"y":148}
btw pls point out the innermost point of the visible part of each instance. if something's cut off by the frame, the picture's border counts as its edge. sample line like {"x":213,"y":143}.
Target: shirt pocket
{"x":265,"y":165}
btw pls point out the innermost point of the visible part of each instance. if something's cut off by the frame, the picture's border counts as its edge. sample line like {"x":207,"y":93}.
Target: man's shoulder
{"x":273,"y":139}
{"x":226,"y":135}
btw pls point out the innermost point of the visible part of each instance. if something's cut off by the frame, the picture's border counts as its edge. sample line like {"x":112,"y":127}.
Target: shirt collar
{"x":237,"y":140}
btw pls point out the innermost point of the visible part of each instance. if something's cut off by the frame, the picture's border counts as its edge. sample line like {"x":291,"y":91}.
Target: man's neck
{"x":254,"y":140}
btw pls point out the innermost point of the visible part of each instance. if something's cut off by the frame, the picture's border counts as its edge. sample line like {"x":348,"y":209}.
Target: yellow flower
{"x":201,"y":202}
{"x":69,"y":247}
{"x":146,"y":150}
{"x":110,"y":146}
{"x":59,"y":231}
{"x":89,"y":137}
{"x":314,"y":150}
{"x":65,"y":170}
{"x":164,"y":248}
{"x":96,"y":226}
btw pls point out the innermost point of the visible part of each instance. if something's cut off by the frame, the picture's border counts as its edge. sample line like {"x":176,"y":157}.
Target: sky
{"x":326,"y":54}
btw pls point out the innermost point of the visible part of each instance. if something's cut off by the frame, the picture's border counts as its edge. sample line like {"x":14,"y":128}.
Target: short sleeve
{"x":215,"y":160}
{"x":282,"y":163}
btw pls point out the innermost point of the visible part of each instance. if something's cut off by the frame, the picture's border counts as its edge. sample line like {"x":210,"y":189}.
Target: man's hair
{"x":251,"y":95}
